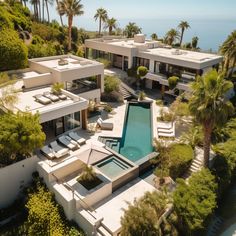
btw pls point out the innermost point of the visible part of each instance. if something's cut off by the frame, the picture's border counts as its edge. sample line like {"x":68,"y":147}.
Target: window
{"x":72,"y":121}
{"x":138,"y":61}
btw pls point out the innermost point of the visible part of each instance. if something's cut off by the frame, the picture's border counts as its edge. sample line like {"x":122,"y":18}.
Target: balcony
{"x":183,"y":83}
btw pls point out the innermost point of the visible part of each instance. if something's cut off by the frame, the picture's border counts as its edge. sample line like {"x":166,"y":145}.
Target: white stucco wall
{"x":14,"y":177}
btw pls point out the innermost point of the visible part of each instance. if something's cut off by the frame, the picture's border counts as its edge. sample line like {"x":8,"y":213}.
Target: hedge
{"x":13,"y":52}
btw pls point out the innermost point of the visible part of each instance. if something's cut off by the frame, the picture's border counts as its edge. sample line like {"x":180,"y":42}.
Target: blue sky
{"x":181,"y":9}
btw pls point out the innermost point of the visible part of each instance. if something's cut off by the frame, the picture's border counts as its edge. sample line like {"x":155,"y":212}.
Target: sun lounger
{"x":68,"y":142}
{"x":164,"y":125}
{"x":165,"y":130}
{"x":48,"y":152}
{"x":59,"y":150}
{"x":43,"y":100}
{"x":62,"y":96}
{"x":51,"y":96}
{"x":77,"y":138}
{"x":161,"y":134}
{"x":104,"y":125}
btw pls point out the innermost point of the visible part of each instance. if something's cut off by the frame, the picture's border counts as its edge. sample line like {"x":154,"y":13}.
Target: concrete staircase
{"x":124,"y":92}
{"x":112,"y":143}
{"x":103,"y":231}
{"x":197,"y":163}
{"x":215,"y":226}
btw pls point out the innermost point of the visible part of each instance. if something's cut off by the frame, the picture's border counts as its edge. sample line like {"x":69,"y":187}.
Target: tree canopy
{"x":20,"y":134}
{"x":143,"y":216}
{"x":209,"y":105}
{"x":13,"y":51}
{"x":195,"y":201}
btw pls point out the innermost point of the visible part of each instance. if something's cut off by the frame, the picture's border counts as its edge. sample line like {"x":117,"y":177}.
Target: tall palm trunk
{"x":233,"y":65}
{"x":70,"y":20}
{"x":60,"y":15}
{"x":43,"y":9}
{"x":46,"y":1}
{"x":39,"y":10}
{"x":100,"y":25}
{"x":110,"y":30}
{"x":226,"y":65}
{"x":207,"y":129}
{"x":181,"y":37}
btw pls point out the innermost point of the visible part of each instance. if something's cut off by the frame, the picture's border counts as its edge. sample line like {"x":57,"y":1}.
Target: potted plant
{"x":57,"y":88}
{"x":173,"y":81}
{"x":141,"y":96}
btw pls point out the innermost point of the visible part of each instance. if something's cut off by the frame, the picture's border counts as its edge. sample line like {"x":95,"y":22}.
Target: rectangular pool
{"x":136,"y":141}
{"x":113,"y":167}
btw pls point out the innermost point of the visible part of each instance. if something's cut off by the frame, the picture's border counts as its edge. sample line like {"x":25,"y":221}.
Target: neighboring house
{"x":161,"y":60}
{"x":83,"y":80}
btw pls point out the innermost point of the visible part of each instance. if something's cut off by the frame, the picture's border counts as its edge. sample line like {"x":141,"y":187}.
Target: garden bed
{"x":90,"y":184}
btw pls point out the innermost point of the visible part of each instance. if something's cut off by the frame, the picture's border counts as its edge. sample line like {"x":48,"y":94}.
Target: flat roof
{"x":111,"y":209}
{"x":73,"y":62}
{"x":180,"y":54}
{"x":27,"y":101}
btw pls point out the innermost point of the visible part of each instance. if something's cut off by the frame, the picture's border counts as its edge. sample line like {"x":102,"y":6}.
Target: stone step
{"x":103,"y":231}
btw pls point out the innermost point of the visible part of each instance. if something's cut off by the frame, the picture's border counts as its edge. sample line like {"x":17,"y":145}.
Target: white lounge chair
{"x":58,"y":149}
{"x":62,"y":96}
{"x":48,"y":152}
{"x":169,"y":135}
{"x":164,"y":125}
{"x":104,"y":125}
{"x":41,"y":99}
{"x":77,"y":138}
{"x":68,"y":142}
{"x":51,"y":96}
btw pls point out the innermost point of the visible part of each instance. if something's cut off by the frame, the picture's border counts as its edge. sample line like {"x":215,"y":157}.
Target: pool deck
{"x":115,"y":204}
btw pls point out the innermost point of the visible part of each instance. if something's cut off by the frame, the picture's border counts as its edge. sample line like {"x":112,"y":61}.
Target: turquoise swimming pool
{"x":113,"y":166}
{"x":136,"y":141}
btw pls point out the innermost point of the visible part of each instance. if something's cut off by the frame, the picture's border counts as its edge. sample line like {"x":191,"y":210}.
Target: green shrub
{"x":41,"y":50}
{"x":159,"y":102}
{"x":165,"y":116}
{"x":141,"y":96}
{"x":181,"y":156}
{"x":108,"y":108}
{"x":132,"y":72}
{"x":142,"y":71}
{"x":45,"y":31}
{"x":14,"y":17}
{"x":105,"y":62}
{"x":195,"y":201}
{"x":111,"y":83}
{"x":13,"y":52}
{"x":173,"y":81}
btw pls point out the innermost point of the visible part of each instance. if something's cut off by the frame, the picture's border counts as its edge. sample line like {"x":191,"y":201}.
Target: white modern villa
{"x":119,"y":151}
{"x":161,"y":60}
{"x":59,"y":114}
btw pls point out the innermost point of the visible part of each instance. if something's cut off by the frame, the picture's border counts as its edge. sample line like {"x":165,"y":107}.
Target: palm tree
{"x":101,"y":14}
{"x":195,"y":42}
{"x":209,"y":106}
{"x":60,"y":14}
{"x":70,"y":8}
{"x":110,"y":25}
{"x":228,"y":49}
{"x":131,"y":29}
{"x":184,"y":25}
{"x":154,"y":36}
{"x":46,"y":3}
{"x":171,"y":36}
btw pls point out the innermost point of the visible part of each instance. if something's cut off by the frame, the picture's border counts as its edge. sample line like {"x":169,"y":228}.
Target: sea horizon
{"x":212,"y":32}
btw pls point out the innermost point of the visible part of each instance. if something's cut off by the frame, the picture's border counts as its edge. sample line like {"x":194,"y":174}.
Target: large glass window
{"x":138,"y":61}
{"x":72,"y":121}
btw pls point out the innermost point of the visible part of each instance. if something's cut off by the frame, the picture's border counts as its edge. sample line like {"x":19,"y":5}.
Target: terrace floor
{"x":116,"y":203}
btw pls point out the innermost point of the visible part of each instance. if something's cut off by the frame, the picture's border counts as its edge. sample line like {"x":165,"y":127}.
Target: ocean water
{"x":211,"y":32}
